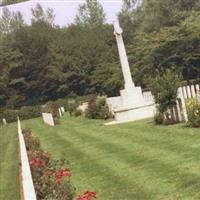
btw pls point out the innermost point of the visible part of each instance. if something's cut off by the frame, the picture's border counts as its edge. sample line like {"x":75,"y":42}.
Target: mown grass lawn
{"x":136,"y":160}
{"x":9,"y":162}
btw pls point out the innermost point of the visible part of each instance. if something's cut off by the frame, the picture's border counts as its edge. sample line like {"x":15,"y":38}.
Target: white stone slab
{"x":48,"y":119}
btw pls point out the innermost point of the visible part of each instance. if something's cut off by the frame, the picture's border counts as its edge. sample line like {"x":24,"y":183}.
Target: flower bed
{"x":51,"y":178}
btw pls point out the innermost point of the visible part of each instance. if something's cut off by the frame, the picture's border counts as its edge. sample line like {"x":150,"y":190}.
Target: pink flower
{"x":36,"y":162}
{"x":62,"y":173}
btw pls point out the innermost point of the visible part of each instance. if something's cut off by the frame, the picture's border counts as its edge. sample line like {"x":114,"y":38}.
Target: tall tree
{"x":38,"y":14}
{"x":157,"y":14}
{"x":10,"y":21}
{"x":5,"y":20}
{"x":90,"y":13}
{"x":126,"y":17}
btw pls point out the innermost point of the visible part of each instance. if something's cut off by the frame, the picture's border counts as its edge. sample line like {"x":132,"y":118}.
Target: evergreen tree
{"x":90,"y":13}
{"x":38,"y":14}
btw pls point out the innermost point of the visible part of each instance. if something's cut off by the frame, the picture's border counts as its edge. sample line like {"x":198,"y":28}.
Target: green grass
{"x":129,"y":161}
{"x":9,"y":162}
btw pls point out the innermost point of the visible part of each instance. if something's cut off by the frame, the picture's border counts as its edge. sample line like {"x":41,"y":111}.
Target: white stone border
{"x":27,"y":181}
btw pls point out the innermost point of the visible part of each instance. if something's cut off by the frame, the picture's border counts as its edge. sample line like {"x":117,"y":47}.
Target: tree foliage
{"x":41,"y":61}
{"x":90,"y":13}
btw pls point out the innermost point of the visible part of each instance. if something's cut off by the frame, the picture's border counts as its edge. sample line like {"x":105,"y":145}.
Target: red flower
{"x":62,"y":173}
{"x":87,"y":196}
{"x":36,"y":162}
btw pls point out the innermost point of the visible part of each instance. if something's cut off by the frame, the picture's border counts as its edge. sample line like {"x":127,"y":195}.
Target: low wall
{"x":27,"y":181}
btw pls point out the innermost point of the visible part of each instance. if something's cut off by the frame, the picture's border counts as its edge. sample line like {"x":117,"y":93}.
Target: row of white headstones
{"x":47,"y":117}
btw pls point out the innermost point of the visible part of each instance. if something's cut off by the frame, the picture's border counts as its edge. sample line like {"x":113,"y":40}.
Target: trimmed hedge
{"x":26,"y":112}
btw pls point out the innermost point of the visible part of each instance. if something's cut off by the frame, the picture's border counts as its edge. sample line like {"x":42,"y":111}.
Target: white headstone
{"x":62,"y":109}
{"x":198,"y":96}
{"x":4,"y":121}
{"x":193,"y":91}
{"x":48,"y":118}
{"x":60,"y":112}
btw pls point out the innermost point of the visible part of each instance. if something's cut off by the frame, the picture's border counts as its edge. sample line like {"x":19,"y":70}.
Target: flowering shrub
{"x":193,"y":111}
{"x":61,"y":174}
{"x":36,"y":162}
{"x":51,"y":178}
{"x":87,"y":196}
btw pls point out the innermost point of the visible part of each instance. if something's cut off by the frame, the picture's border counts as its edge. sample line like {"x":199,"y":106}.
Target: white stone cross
{"x":123,"y":57}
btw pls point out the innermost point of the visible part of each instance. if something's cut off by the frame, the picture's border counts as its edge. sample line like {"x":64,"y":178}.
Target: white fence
{"x":27,"y":182}
{"x":179,"y":112}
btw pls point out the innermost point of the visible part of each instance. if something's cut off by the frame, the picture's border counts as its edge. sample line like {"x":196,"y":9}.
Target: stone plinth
{"x":132,"y":97}
{"x":127,"y":114}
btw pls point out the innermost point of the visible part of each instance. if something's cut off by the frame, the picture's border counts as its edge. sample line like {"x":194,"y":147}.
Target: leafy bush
{"x":9,"y":115}
{"x":77,"y":112}
{"x":26,"y":112}
{"x":164,"y":89}
{"x":158,"y":118}
{"x":193,"y":111}
{"x":97,"y":108}
{"x":63,"y":103}
{"x":73,"y":104}
{"x":72,"y":107}
{"x":51,"y":178}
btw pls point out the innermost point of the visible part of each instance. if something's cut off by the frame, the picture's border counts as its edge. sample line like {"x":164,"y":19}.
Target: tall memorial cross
{"x":131,"y":104}
{"x":123,"y":57}
{"x":131,"y":95}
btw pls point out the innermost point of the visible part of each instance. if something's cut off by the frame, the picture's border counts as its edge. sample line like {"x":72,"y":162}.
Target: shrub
{"x":26,"y":112}
{"x":158,"y":118}
{"x":72,"y":107}
{"x":10,"y":115}
{"x":63,"y":103}
{"x":164,"y":89}
{"x":29,"y":112}
{"x":77,"y":112}
{"x":97,"y":108}
{"x":193,"y":111}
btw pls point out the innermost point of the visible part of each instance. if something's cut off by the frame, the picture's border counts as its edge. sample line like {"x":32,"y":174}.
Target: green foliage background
{"x":42,"y":61}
